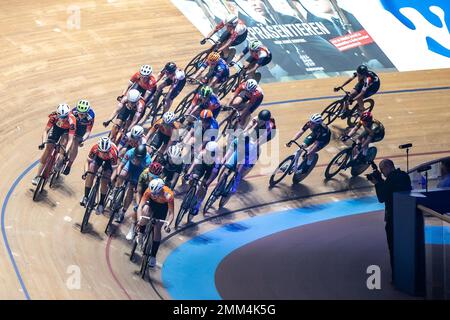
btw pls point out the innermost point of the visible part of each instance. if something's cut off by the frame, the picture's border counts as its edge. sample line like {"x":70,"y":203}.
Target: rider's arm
{"x":227,"y":43}
{"x":72,"y":130}
{"x":298,"y":134}
{"x":138,"y":115}
{"x":144,"y":199}
{"x":217,"y":28}
{"x":354,"y":129}
{"x":171,"y":211}
{"x":348,"y":80}
{"x":243,"y":53}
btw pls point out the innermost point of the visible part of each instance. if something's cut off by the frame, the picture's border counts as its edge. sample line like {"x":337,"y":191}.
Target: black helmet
{"x":264,"y":115}
{"x":170,"y":67}
{"x":362,"y":69}
{"x":140,"y":151}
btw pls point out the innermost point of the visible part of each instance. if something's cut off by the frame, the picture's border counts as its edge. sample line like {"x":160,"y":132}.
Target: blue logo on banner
{"x":423,"y":7}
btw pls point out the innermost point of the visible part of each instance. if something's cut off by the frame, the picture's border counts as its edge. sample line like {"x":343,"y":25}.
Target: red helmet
{"x":366,"y":117}
{"x":155,"y":168}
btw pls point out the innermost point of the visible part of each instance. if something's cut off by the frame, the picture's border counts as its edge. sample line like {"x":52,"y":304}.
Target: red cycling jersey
{"x":252,"y":96}
{"x":149,"y":85}
{"x":234,"y":31}
{"x":69,"y":123}
{"x":112,"y":155}
{"x":262,"y":52}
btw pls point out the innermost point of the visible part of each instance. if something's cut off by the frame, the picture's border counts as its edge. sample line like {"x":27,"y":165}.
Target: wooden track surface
{"x":44,"y":64}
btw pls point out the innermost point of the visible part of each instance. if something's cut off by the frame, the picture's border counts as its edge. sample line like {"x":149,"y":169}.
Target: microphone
{"x":405,"y":146}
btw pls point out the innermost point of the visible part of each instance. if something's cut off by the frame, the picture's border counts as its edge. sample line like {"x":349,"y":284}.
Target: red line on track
{"x":108,"y":262}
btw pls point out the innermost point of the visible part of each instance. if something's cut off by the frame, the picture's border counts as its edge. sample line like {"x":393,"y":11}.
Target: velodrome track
{"x":44,"y":64}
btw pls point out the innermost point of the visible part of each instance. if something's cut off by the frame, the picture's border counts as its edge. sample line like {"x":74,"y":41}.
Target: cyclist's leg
{"x":107,"y":170}
{"x":159,"y":212}
{"x":53,"y":136}
{"x":93,"y":167}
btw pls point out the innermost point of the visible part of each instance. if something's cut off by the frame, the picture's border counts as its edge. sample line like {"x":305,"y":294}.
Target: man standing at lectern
{"x":396,"y":181}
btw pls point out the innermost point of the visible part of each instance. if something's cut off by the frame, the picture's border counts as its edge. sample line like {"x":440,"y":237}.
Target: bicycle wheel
{"x":226,"y":87}
{"x":185,"y":103}
{"x":283,"y":168}
{"x":133,"y":249}
{"x":53,"y":178}
{"x":146,"y":253}
{"x":185,"y":206}
{"x":353,"y":118}
{"x":89,"y":207}
{"x":116,"y":206}
{"x":215,"y":194}
{"x":39,"y":188}
{"x":298,"y":176}
{"x":330,"y":113}
{"x":193,"y":65}
{"x":225,"y":124}
{"x":337,"y":163}
{"x":226,"y":195}
{"x":360,"y":168}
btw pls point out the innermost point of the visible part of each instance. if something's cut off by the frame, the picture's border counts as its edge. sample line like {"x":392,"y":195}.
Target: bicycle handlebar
{"x":298,"y":145}
{"x":233,"y":109}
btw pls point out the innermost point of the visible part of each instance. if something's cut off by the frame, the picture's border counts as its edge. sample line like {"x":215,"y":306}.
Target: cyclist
{"x":204,"y":99}
{"x":102,"y":154}
{"x":161,"y":132}
{"x":144,"y":81}
{"x":131,"y":167}
{"x":208,"y":131}
{"x":85,"y":118}
{"x":247,"y":98}
{"x":128,"y":113}
{"x":234,"y":34}
{"x":172,"y":166}
{"x":259,"y":57}
{"x":218,"y":71}
{"x":150,"y":173}
{"x":173,"y":77}
{"x":368,"y":84}
{"x":206,"y":165}
{"x":373,"y":132}
{"x":318,"y":138}
{"x":157,"y":201}
{"x":132,"y":139}
{"x":60,"y":123}
{"x":258,"y":131}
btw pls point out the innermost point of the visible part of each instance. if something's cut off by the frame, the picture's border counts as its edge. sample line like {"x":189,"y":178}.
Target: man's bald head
{"x":386,"y":166}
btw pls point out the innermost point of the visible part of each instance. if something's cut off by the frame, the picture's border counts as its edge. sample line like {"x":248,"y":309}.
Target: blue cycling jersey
{"x":85,"y":121}
{"x":221,"y":70}
{"x":130,"y":157}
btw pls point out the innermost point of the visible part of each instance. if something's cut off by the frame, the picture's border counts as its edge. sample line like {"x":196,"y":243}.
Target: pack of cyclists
{"x":150,"y":161}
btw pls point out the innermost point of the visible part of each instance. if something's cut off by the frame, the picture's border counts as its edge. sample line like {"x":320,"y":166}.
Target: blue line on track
{"x":20,"y":177}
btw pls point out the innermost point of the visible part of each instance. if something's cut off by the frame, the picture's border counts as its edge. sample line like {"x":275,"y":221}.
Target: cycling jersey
{"x":221,"y":70}
{"x":176,"y":77}
{"x":268,"y":127}
{"x":259,"y":55}
{"x":146,"y":176}
{"x":240,"y":29}
{"x":69,"y":123}
{"x":171,"y":167}
{"x":149,"y":85}
{"x":84,"y":123}
{"x":163,"y":128}
{"x":375,"y":128}
{"x":112,"y":155}
{"x":165,"y":196}
{"x":212,"y":103}
{"x":130,"y":157}
{"x":252,"y":97}
{"x":371,"y":79}
{"x":128,"y":142}
{"x":213,"y":130}
{"x":319,"y":133}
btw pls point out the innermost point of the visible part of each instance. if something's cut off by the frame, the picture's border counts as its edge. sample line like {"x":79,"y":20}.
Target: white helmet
{"x":251,"y":85}
{"x":255,"y":45}
{"x":146,"y":70}
{"x":231,"y":19}
{"x":156,"y":185}
{"x":212,"y":146}
{"x":63,"y":110}
{"x":133,"y":95}
{"x":137,"y":132}
{"x":169,"y":117}
{"x":104,"y":144}
{"x":174,"y":152}
{"x":316,"y":118}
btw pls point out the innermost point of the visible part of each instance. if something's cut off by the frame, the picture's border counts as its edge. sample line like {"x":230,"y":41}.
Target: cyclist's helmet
{"x":251,"y":85}
{"x":264,"y":115}
{"x":169,"y":117}
{"x":362,"y":70}
{"x":213,"y":57}
{"x":316,"y":118}
{"x":255,"y":45}
{"x":140,"y":151}
{"x":232,"y":20}
{"x":206,"y":92}
{"x":146,"y":70}
{"x":174,"y":152}
{"x":133,"y":95}
{"x":367,"y":117}
{"x":211,"y":146}
{"x":83,"y":106}
{"x":104,"y":144}
{"x":156,"y":185}
{"x":206,"y":114}
{"x":170,"y":67}
{"x":63,"y":110}
{"x":137,"y":132}
{"x":155,"y":168}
